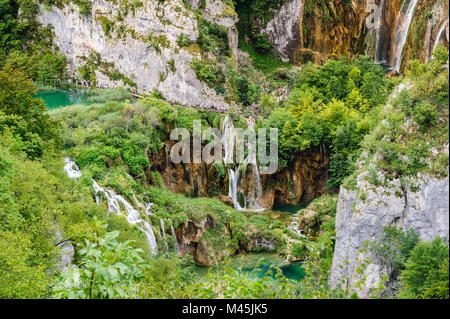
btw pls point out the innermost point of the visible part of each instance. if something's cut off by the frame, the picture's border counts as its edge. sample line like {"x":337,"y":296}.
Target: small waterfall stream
{"x":381,"y":51}
{"x":71,"y":169}
{"x":163,"y":234}
{"x":174,"y":235}
{"x":229,"y":136}
{"x":116,"y":202}
{"x":439,"y":35}
{"x":294,"y":226}
{"x":402,"y":24}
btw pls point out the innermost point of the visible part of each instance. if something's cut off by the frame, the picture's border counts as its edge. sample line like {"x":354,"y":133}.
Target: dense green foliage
{"x":415,"y":268}
{"x":341,"y":107}
{"x":334,"y":105}
{"x":107,"y":270}
{"x":426,"y":271}
{"x":413,"y":124}
{"x":38,"y":60}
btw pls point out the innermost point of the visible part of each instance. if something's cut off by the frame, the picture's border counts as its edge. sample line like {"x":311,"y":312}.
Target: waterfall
{"x":115,"y":202}
{"x":71,"y":169}
{"x":163,"y":232}
{"x":294,"y":227}
{"x":229,"y":135}
{"x":174,"y":235}
{"x":147,"y":207}
{"x":381,"y":50}
{"x":439,"y":35}
{"x":402,"y":25}
{"x":251,"y":158}
{"x":228,"y":142}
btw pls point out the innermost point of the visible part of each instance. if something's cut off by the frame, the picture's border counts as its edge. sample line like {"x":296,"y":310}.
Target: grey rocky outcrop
{"x":132,"y":52}
{"x":362,"y":215}
{"x":283,"y":29}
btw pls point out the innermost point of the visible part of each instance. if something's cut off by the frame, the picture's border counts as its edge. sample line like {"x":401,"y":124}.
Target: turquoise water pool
{"x":54,"y":98}
{"x":57,"y":98}
{"x":259,"y":265}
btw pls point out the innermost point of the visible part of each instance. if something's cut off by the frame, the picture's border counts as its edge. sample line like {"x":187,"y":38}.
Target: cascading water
{"x":294,"y":227}
{"x":174,"y":235}
{"x":381,"y":49}
{"x":115,"y":202}
{"x":402,"y":24}
{"x":163,"y":234}
{"x":71,"y":169}
{"x":440,"y":34}
{"x":255,"y":202}
{"x":229,"y":135}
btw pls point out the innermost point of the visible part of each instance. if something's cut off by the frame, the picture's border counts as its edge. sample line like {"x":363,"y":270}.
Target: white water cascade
{"x":115,"y":202}
{"x":402,"y":24}
{"x":440,"y":34}
{"x":229,"y":135}
{"x":380,"y":54}
{"x":174,"y":235}
{"x":71,"y":169}
{"x":163,"y":234}
{"x":294,"y":227}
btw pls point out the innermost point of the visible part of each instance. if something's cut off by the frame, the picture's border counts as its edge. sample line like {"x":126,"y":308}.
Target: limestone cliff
{"x":303,"y":179}
{"x":139,"y":47}
{"x":428,"y":29}
{"x":307,"y":30}
{"x":379,"y":199}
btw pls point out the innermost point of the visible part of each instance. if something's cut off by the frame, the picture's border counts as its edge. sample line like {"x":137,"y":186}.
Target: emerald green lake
{"x":259,"y":265}
{"x":57,"y":98}
{"x":54,"y":98}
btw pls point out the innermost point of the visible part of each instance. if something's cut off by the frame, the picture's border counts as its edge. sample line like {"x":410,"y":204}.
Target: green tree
{"x":108,"y":270}
{"x":425,"y":273}
{"x":24,"y":115}
{"x":19,"y":277}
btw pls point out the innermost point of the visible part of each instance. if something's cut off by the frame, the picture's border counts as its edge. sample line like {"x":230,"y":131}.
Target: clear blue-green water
{"x":290,"y":209}
{"x":54,"y":98}
{"x":260,"y":265}
{"x":57,"y":98}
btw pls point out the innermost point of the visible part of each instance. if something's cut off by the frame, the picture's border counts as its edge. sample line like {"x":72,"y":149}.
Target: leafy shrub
{"x":263,"y":43}
{"x":425,"y":115}
{"x":426,"y":271}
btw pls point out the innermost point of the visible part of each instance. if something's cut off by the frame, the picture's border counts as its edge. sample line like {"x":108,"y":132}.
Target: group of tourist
{"x":210,"y":108}
{"x":280,"y":92}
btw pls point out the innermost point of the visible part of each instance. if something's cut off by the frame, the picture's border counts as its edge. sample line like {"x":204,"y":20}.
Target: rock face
{"x":190,"y":241}
{"x":361,"y":218}
{"x":303,"y":31}
{"x":140,"y":45}
{"x":304,"y":178}
{"x":428,"y":28}
{"x":284,"y":29}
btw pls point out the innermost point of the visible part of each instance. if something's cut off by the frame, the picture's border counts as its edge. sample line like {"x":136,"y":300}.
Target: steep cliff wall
{"x":303,"y":179}
{"x":139,"y":47}
{"x":284,"y":30}
{"x":358,"y":220}
{"x":307,"y":30}
{"x":428,"y":29}
{"x":383,"y":196}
